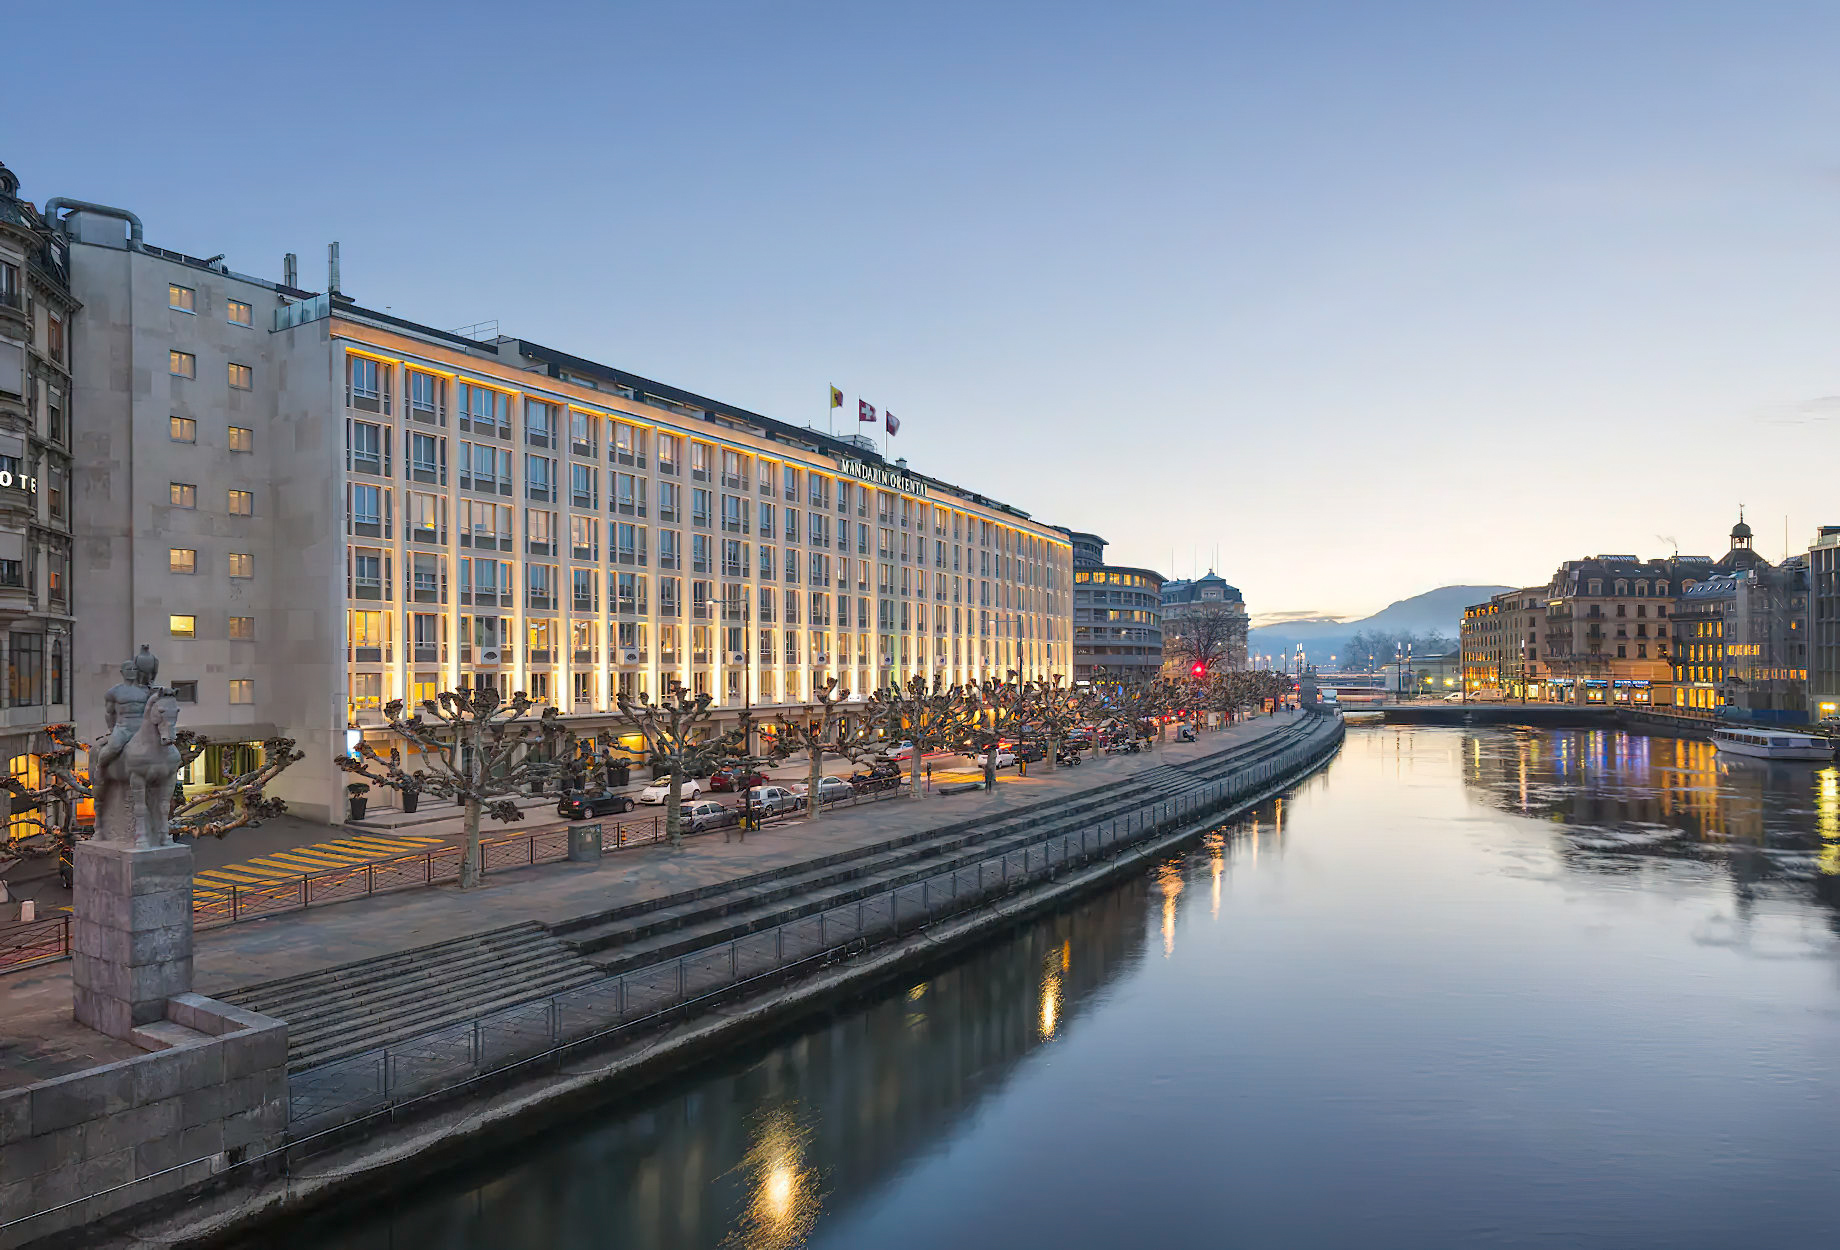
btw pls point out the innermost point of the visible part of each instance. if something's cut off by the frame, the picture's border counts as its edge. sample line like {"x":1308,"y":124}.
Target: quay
{"x":423,"y":1027}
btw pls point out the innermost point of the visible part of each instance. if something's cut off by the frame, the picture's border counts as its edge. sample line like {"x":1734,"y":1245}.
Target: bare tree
{"x":677,"y":744}
{"x":931,"y":716}
{"x":1056,"y":710}
{"x":237,"y":802}
{"x":830,"y":727}
{"x":477,"y":749}
{"x":1207,"y":634}
{"x":995,"y":710}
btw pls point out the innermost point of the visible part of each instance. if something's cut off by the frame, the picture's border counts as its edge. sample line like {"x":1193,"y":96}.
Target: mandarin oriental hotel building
{"x":309,"y":509}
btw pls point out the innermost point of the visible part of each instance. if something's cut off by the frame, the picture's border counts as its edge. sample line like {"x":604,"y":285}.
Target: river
{"x":1463,"y":988}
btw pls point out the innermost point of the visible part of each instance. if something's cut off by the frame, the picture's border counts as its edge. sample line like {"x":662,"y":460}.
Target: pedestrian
{"x":1022,"y":766}
{"x":929,"y":775}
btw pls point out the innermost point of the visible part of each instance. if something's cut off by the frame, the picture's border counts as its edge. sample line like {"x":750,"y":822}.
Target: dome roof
{"x":1740,"y":530}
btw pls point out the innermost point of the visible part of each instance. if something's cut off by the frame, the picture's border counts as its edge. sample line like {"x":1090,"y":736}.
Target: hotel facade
{"x":309,"y":509}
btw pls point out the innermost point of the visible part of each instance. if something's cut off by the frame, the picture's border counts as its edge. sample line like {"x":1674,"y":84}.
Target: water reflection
{"x":785,"y":1189}
{"x":1615,"y":798}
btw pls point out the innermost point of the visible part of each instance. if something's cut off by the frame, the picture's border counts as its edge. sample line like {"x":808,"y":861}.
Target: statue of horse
{"x":135,"y":790}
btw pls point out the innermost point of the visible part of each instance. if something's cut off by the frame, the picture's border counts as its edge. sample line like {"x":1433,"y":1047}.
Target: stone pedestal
{"x":131,"y":942}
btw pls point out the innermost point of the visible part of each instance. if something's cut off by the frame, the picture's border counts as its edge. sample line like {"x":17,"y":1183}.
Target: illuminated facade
{"x":36,"y":313}
{"x":1742,"y":635}
{"x":363,"y":509}
{"x":1606,"y":634}
{"x":1117,"y":617}
{"x":1500,"y":644}
{"x":1209,"y":596}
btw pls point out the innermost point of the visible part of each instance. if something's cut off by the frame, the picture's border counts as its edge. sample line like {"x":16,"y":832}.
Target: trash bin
{"x":619,"y":773}
{"x":585,"y":844}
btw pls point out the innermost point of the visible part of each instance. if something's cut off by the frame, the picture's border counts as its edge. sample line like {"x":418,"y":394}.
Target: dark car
{"x":876,"y":778}
{"x":731,"y":779}
{"x":1030,"y":752}
{"x":577,"y":805}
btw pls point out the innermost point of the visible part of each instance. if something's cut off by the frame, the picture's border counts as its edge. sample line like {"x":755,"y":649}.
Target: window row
{"x":238,"y":502}
{"x":185,"y":365}
{"x":238,"y":628}
{"x":185,"y":560}
{"x":185,"y":430}
{"x":185,"y":299}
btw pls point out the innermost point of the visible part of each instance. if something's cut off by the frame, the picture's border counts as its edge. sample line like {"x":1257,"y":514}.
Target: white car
{"x":1005,"y":758}
{"x":830,"y":789}
{"x":902,"y":751}
{"x":660,"y":790}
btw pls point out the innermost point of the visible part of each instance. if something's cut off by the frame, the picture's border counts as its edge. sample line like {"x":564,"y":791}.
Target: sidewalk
{"x":35,"y":1004}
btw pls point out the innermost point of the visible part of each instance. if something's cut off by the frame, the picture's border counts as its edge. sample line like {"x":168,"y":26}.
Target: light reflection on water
{"x":1503,"y":988}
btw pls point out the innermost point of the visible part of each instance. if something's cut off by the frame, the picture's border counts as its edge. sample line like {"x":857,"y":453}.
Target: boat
{"x":1771,"y":744}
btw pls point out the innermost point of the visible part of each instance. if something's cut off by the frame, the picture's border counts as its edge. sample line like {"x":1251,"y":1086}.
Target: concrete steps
{"x":355,"y":1007}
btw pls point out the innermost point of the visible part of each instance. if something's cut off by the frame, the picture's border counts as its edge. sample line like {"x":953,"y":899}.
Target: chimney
{"x":332,"y":269}
{"x":290,"y":271}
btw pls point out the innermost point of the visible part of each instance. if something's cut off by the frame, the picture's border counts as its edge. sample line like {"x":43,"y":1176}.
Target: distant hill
{"x":1437,"y":611}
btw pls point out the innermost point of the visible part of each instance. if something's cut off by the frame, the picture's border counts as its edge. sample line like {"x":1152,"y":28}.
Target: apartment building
{"x":36,"y":313}
{"x":1741,"y":634}
{"x":1606,"y":633}
{"x":1209,"y":596}
{"x":311,"y":508}
{"x":1500,"y":644}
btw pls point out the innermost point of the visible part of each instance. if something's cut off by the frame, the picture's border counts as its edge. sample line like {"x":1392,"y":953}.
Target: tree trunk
{"x":469,"y":861}
{"x":1054,"y":749}
{"x":674,"y":810}
{"x":990,"y":770}
{"x":812,"y":800}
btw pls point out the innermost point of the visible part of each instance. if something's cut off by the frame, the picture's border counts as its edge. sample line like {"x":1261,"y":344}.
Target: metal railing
{"x":34,"y":942}
{"x":389,"y":1077}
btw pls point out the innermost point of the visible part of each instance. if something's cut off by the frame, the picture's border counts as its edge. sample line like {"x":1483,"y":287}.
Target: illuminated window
{"x":239,"y":313}
{"x":243,"y":628}
{"x":242,"y":377}
{"x":242,"y":690}
{"x":182,"y":429}
{"x":242,"y":438}
{"x":181,"y":298}
{"x":242,"y":503}
{"x":181,"y":560}
{"x":242,"y":565}
{"x":181,"y":364}
{"x":184,"y":495}
{"x":181,"y":626}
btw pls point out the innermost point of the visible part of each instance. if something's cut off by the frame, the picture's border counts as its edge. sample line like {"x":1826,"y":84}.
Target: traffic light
{"x":1198,"y":669}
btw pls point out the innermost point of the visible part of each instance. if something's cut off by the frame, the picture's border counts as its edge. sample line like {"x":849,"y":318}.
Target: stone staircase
{"x":355,"y":1007}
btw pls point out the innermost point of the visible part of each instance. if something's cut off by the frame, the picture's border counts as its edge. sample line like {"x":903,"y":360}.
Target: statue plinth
{"x":132,"y":933}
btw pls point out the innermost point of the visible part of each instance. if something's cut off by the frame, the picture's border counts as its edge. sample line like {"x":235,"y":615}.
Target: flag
{"x":836,"y":398}
{"x":865,"y":411}
{"x":894,"y":423}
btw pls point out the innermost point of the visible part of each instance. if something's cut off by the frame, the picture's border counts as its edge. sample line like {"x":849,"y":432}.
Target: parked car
{"x":830,"y":789}
{"x":771,"y":799}
{"x":900,"y":751}
{"x":875,"y":778}
{"x":579,"y":804}
{"x":707,"y":814}
{"x":732,"y":779}
{"x":1005,"y":758}
{"x":660,"y":789}
{"x":1033,"y":752}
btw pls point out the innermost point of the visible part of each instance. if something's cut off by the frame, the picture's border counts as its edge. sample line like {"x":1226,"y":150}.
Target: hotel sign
{"x":24,"y":481}
{"x":876,"y":475}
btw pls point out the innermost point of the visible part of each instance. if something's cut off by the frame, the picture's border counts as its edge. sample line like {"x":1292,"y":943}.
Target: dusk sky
{"x":1373,"y":298}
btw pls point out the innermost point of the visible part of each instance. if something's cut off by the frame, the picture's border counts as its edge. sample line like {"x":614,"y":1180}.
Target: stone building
{"x":1501,"y":644}
{"x":36,"y":609}
{"x":1606,"y":632}
{"x":1741,"y":636}
{"x":1117,"y":617}
{"x":314,"y":508}
{"x":1209,"y":596}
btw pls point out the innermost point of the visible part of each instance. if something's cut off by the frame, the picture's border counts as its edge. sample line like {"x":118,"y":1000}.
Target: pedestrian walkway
{"x":277,"y":866}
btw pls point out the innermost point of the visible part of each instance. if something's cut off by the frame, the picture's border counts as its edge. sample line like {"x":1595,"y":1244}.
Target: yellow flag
{"x":836,"y":398}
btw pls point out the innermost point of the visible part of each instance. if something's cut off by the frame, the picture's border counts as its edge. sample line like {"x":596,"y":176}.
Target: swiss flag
{"x":865,"y":411}
{"x":894,"y":423}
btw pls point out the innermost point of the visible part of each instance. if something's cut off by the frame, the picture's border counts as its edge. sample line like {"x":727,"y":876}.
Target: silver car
{"x":707,"y":814}
{"x":773,"y":799}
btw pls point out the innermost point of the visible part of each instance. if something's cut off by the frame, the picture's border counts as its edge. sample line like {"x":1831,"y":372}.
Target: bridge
{"x":1540,"y":715}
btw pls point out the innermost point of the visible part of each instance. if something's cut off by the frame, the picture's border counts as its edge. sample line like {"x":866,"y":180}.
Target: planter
{"x":355,"y":807}
{"x":409,"y":799}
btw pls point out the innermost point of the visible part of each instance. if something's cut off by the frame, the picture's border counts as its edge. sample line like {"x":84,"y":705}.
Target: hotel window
{"x":242,"y":628}
{"x":242,"y":690}
{"x":236,"y":312}
{"x":242,"y":564}
{"x":242,"y":438}
{"x":427,"y":395}
{"x":185,"y":691}
{"x":366,"y":505}
{"x":182,"y":626}
{"x":367,"y":384}
{"x":184,"y":495}
{"x":242,"y":503}
{"x":181,"y":560}
{"x":539,"y":423}
{"x":242,"y":377}
{"x":26,"y":668}
{"x":668,"y":453}
{"x":181,"y":364}
{"x":182,"y":298}
{"x":366,"y":447}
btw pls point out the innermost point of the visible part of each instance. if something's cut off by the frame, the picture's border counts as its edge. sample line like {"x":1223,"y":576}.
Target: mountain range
{"x":1437,"y":611}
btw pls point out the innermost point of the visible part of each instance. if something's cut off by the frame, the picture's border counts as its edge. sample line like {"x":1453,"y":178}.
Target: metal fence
{"x":34,"y":942}
{"x":348,"y":1089}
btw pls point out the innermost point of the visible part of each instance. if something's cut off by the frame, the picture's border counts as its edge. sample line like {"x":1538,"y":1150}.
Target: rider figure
{"x":123,"y":707}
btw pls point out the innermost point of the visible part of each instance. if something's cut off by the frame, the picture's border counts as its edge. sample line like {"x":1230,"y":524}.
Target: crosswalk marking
{"x":288,"y":865}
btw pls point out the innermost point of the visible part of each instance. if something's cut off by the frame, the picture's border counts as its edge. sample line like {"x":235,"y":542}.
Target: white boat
{"x":1772,"y":745}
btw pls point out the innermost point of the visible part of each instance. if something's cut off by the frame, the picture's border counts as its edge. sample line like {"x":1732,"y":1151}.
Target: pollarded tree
{"x":830,"y":728}
{"x":477,"y":748}
{"x":1056,"y":710}
{"x":242,"y":800}
{"x":677,"y":744}
{"x":932,"y":716}
{"x":995,"y":710}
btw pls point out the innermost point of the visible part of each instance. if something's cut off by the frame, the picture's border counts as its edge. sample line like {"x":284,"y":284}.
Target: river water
{"x":1463,"y":988}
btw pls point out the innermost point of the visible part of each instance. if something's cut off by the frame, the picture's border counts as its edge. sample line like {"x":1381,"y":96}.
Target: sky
{"x":1366,"y":298}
